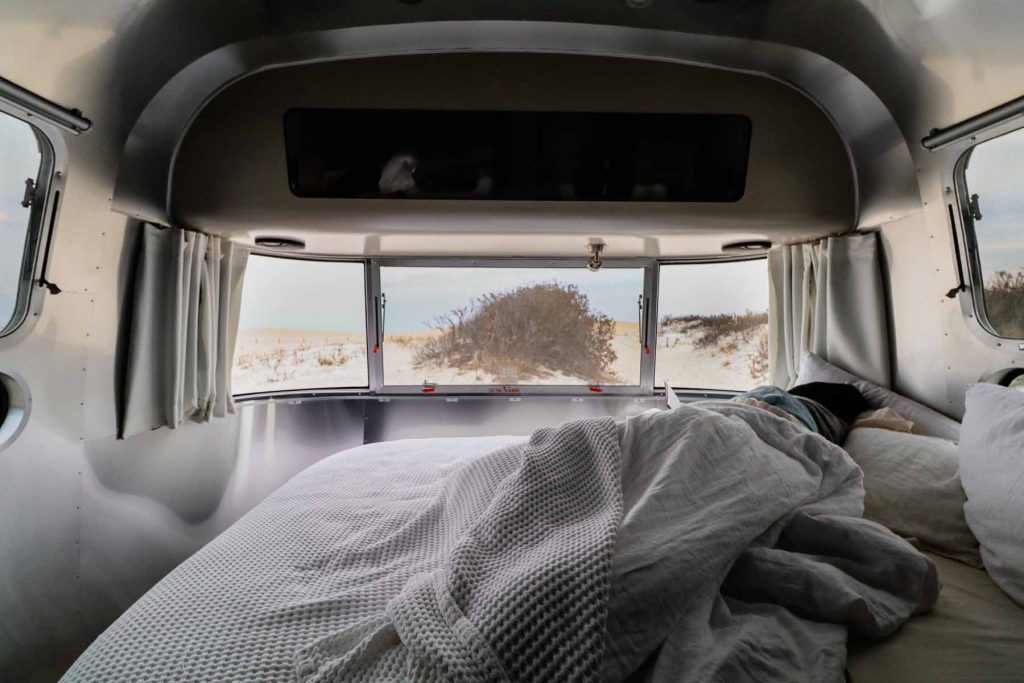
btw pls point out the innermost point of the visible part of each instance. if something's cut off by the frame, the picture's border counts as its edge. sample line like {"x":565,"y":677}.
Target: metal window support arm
{"x":68,"y":119}
{"x":940,"y":138}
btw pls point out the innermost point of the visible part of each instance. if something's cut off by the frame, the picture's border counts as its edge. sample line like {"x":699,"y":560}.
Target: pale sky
{"x":996,"y":174}
{"x":19,"y":159}
{"x":310,"y":295}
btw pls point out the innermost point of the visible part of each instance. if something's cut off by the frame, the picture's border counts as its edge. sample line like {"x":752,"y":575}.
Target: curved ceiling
{"x":231,"y":173}
{"x":929,"y":63}
{"x":883,"y":171}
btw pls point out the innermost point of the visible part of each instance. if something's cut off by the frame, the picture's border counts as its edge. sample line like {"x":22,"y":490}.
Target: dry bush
{"x":757,"y":360}
{"x":538,"y":329}
{"x":725,"y":331}
{"x":332,"y":356}
{"x":1004,"y":303}
{"x":679,"y":319}
{"x":402,"y":340}
{"x":716,"y":328}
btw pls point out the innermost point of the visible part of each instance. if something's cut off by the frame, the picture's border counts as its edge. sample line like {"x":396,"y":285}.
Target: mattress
{"x":974,"y":633}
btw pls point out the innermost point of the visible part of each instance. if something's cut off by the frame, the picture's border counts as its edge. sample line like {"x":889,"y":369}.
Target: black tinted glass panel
{"x":565,"y":156}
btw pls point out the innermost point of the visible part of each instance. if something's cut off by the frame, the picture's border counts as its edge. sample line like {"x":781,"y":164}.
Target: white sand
{"x":275,"y":359}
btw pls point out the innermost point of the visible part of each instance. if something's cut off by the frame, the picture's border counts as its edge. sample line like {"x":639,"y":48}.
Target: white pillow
{"x":992,"y":469}
{"x":912,"y":486}
{"x":926,"y":421}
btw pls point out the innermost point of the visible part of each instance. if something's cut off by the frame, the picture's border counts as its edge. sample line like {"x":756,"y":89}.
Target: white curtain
{"x":184,"y":321}
{"x":829,"y":298}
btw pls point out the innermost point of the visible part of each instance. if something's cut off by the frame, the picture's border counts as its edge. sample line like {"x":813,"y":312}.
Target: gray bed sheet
{"x":974,"y":633}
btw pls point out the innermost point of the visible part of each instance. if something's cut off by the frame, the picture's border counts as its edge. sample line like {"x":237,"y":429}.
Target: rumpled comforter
{"x":715,"y":541}
{"x":742,"y":554}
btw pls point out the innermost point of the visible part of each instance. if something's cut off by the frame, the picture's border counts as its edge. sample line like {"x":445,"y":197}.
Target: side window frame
{"x":968,"y":254}
{"x":355,"y":390}
{"x":707,"y":392}
{"x":39,"y":232}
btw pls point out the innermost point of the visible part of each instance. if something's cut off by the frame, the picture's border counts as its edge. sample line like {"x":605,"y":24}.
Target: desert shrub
{"x":403,"y":340}
{"x":537,"y":329}
{"x":1004,"y":303}
{"x":714,"y":329}
{"x":679,"y":319}
{"x":332,"y":356}
{"x":757,"y":359}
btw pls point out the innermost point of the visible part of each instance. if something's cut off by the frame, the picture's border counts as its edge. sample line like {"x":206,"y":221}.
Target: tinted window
{"x":713,"y":325}
{"x":568,"y":156}
{"x":21,"y":159}
{"x":536,"y":326}
{"x":995,"y":173}
{"x":302,"y":326}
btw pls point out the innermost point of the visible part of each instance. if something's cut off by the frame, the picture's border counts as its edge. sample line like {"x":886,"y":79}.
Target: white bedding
{"x":738,"y":554}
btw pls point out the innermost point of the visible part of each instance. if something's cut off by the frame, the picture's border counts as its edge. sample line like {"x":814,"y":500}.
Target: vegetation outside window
{"x":994,"y":178}
{"x":23,"y":157}
{"x":302,"y":326}
{"x":713,"y":325}
{"x":511,"y":326}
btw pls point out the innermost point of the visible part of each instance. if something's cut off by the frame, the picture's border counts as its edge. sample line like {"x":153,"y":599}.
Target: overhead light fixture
{"x":747,"y":246}
{"x":280,"y":243}
{"x":639,"y":4}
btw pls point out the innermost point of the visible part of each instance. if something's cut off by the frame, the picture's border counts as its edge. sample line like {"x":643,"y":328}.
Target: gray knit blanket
{"x":505,"y":571}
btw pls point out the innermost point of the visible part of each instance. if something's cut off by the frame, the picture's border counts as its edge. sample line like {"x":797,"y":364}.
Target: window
{"x":517,"y":155}
{"x":302,"y":326}
{"x":994,"y":177}
{"x":713,"y":325}
{"x":511,"y":325}
{"x":24,"y":156}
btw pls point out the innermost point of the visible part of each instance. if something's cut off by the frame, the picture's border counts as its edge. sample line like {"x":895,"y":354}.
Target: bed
{"x":711,"y":542}
{"x":975,"y":632}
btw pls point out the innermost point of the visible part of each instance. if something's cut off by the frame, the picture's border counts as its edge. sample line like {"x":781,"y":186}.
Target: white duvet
{"x":711,"y":542}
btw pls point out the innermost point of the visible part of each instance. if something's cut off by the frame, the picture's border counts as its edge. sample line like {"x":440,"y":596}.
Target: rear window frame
{"x":645,"y":387}
{"x":973,"y":302}
{"x":39,"y":231}
{"x":383,"y":392}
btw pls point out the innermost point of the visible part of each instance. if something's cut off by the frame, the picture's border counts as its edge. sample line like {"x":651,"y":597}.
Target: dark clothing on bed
{"x":829,"y":424}
{"x":843,"y":400}
{"x":825,"y":408}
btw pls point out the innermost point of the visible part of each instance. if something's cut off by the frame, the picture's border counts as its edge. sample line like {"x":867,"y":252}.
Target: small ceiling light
{"x":639,"y":4}
{"x":747,"y":246}
{"x":280,"y":243}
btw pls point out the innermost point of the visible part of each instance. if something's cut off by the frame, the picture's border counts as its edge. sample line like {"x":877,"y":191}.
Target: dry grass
{"x":1004,"y":303}
{"x":757,"y":360}
{"x":727,"y":340}
{"x":533,"y":331}
{"x":725,"y":331}
{"x":332,"y":356}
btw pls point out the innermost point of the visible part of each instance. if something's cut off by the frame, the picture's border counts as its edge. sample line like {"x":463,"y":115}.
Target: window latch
{"x":975,"y":208}
{"x":51,"y":287}
{"x":30,"y":193}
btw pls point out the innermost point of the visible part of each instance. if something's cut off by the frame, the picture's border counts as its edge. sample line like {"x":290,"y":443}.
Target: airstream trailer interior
{"x":671,"y":340}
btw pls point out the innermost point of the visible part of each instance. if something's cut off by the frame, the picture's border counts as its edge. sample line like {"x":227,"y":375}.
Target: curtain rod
{"x":68,"y":119}
{"x":940,"y":138}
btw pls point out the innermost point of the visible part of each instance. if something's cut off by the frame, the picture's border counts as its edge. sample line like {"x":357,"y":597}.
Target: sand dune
{"x":278,"y":359}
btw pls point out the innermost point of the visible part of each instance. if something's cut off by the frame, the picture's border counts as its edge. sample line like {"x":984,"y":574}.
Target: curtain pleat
{"x":187,"y":297}
{"x":828,"y":298}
